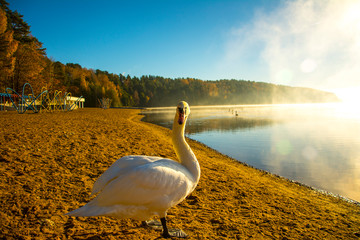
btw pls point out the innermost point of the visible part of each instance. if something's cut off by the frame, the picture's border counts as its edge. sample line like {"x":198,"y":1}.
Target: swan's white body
{"x":140,"y":187}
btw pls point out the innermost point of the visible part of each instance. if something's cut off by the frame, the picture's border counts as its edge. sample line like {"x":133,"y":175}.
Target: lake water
{"x":315,"y":144}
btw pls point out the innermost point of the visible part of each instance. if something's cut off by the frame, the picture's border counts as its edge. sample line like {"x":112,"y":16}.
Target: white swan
{"x":140,"y":187}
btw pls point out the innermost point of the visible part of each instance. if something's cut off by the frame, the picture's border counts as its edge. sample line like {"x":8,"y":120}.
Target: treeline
{"x":23,"y":59}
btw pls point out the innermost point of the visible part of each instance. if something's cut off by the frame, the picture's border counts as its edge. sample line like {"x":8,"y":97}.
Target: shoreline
{"x":49,"y":162}
{"x":318,"y":190}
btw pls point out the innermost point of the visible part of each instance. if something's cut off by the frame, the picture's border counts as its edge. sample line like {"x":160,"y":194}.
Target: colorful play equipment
{"x":5,"y":101}
{"x":59,"y":101}
{"x":42,"y":102}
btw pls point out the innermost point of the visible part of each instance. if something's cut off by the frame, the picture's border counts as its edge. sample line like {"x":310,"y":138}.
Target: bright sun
{"x":351,"y":101}
{"x":349,"y":95}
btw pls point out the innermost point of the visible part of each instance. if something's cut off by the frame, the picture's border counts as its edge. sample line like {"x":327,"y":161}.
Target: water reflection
{"x":205,"y":120}
{"x":318,"y":145}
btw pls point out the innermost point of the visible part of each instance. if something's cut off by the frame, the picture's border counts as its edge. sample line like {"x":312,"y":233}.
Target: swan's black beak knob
{"x":181,"y":119}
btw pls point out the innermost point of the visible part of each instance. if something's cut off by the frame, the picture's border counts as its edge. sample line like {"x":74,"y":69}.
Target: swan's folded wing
{"x":161,"y":182}
{"x":118,"y":168}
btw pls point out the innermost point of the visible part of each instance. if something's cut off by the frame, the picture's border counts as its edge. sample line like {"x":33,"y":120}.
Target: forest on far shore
{"x":23,"y":59}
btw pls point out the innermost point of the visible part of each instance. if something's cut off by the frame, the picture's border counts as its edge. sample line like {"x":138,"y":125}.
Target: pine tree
{"x":8,"y":46}
{"x":22,"y":56}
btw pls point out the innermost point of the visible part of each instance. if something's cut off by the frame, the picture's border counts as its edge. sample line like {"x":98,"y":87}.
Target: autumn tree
{"x":22,"y":55}
{"x":29,"y":63}
{"x":8,"y":46}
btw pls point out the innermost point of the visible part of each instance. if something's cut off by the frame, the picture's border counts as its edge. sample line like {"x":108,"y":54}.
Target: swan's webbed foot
{"x":174,"y":233}
{"x":155,"y":224}
{"x":168,"y":233}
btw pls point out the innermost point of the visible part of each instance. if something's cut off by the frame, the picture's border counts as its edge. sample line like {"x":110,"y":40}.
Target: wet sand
{"x":49,"y":162}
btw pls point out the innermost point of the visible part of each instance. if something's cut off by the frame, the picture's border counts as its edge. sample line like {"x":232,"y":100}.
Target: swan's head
{"x":182,"y":112}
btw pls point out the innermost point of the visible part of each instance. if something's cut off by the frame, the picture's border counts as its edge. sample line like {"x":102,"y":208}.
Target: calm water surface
{"x":315,"y":144}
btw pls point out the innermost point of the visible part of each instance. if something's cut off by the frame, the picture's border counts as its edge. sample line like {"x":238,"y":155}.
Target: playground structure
{"x":11,"y":100}
{"x":104,"y":103}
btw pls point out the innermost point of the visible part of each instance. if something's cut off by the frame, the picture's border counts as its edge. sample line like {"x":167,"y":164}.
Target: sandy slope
{"x":49,"y":161}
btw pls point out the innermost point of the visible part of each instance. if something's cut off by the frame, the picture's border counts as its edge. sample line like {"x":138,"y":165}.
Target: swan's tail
{"x":118,"y":211}
{"x":88,"y":211}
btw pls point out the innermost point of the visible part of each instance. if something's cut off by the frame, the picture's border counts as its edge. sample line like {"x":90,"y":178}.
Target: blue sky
{"x":309,"y":43}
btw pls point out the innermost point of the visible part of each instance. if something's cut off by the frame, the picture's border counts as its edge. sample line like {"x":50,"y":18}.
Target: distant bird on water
{"x":140,"y":187}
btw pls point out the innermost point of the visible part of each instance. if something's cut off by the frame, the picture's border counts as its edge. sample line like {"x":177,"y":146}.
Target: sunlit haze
{"x":307,"y":43}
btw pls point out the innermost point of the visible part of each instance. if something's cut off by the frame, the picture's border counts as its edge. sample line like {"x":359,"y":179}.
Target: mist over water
{"x":315,"y":144}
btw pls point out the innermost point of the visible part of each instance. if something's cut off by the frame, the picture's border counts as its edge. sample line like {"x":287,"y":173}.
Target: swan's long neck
{"x":184,"y":152}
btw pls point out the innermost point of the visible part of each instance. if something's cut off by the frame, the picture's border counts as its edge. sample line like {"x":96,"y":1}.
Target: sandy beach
{"x":49,"y":162}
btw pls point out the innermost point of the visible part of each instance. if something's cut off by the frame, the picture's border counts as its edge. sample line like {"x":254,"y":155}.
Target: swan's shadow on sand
{"x":128,"y":233}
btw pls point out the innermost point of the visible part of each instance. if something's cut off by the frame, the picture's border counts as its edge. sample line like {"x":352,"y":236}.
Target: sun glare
{"x":308,"y":65}
{"x":350,"y":98}
{"x":349,"y":95}
{"x":352,"y":16}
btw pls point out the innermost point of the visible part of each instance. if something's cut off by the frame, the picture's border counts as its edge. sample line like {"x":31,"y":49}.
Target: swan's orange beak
{"x":181,"y":119}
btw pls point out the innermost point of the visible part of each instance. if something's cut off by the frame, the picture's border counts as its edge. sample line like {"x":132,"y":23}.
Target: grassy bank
{"x":49,"y":162}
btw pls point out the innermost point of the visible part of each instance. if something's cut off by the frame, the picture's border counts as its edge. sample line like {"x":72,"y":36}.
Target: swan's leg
{"x":165,"y":229}
{"x":173,"y":232}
